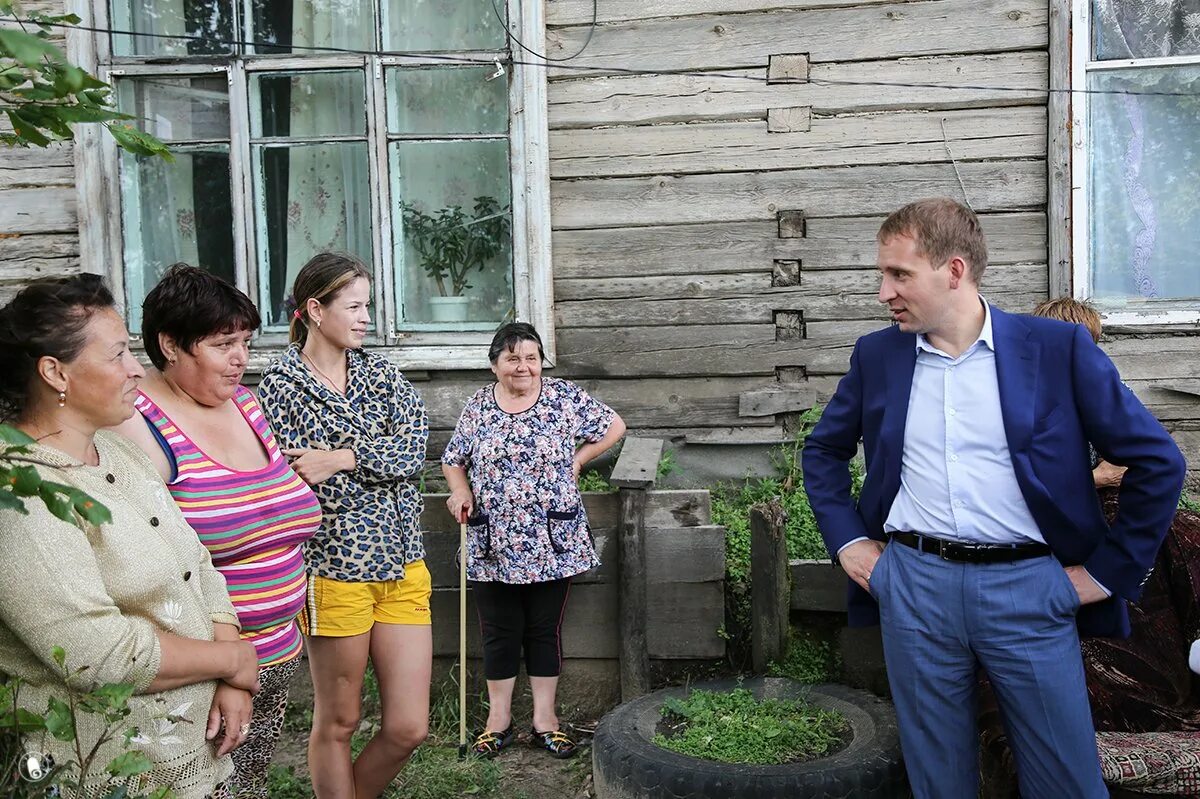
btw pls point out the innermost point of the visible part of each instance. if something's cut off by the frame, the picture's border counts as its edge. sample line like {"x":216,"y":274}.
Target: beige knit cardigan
{"x":101,"y":593}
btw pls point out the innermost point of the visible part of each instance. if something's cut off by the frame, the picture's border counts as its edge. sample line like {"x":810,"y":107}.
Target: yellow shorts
{"x":339,"y":609}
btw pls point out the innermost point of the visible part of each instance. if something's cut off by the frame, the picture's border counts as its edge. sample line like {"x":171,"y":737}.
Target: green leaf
{"x":60,"y":656}
{"x":129,"y":764}
{"x":58,"y":720}
{"x":13,"y":436}
{"x":56,"y":503}
{"x":88,"y":113}
{"x":29,"y":134}
{"x":27,"y":49}
{"x":139,"y":143}
{"x":10,"y":501}
{"x":25,"y":480}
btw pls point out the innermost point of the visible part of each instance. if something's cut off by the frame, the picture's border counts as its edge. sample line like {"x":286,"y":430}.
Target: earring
{"x":62,"y":399}
{"x":318,"y":324}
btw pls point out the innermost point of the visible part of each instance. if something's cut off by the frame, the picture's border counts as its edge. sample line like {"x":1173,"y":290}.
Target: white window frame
{"x":98,"y":184}
{"x":1081,"y":65}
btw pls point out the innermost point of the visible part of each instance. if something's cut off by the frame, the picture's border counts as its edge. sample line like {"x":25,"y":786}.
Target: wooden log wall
{"x":685,"y":579}
{"x":713,"y":233}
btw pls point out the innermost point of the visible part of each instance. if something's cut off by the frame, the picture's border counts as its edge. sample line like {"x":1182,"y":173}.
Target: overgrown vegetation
{"x":734,"y":727}
{"x":809,"y":660}
{"x":597,"y":480}
{"x":44,"y":95}
{"x":435,"y":772}
{"x":25,"y":775}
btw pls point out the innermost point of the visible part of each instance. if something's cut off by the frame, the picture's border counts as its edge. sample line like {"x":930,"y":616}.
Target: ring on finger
{"x":244,"y":729}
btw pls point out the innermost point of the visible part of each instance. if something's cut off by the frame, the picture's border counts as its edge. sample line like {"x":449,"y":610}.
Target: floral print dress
{"x":529,"y":524}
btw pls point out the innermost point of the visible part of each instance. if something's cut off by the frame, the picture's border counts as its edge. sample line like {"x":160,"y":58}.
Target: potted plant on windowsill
{"x":453,"y":244}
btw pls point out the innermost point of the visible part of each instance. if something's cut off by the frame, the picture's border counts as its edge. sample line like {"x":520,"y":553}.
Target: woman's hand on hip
{"x":231,"y":707}
{"x":460,"y":504}
{"x":315,"y":466}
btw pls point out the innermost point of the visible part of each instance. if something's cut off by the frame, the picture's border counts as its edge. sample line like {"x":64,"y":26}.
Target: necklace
{"x":325,"y":377}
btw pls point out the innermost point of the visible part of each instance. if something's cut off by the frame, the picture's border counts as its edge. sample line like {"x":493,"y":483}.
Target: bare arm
{"x":594,"y":449}
{"x":186,"y":661}
{"x":461,"y":501}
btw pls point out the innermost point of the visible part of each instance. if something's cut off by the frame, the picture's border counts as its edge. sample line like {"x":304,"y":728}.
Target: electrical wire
{"x":587,"y":40}
{"x":605,"y":69}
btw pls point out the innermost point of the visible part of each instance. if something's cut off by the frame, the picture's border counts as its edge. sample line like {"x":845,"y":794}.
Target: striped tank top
{"x":254,"y":524}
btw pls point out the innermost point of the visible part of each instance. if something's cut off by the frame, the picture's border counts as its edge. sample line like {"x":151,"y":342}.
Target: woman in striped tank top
{"x":208,"y":437}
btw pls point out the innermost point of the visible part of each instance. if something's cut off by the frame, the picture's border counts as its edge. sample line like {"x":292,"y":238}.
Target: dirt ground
{"x":527,"y":773}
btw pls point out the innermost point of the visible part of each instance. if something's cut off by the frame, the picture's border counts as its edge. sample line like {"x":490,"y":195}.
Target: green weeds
{"x":734,"y":727}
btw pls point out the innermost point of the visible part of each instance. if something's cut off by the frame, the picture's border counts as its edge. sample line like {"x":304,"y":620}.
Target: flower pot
{"x":449,"y":309}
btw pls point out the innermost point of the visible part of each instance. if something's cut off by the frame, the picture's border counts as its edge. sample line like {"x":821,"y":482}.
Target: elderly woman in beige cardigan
{"x":135,"y":601}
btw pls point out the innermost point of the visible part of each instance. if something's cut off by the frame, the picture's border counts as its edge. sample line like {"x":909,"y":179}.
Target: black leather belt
{"x":970,"y":553}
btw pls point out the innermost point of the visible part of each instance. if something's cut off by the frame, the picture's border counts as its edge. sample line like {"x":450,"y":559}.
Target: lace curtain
{"x":1145,"y":153}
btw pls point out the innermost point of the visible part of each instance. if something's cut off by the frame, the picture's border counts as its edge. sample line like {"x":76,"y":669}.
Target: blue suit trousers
{"x":942,"y":622}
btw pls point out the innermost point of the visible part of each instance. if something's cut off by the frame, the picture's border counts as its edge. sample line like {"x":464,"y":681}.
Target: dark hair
{"x":46,"y":318}
{"x":321,"y":279}
{"x":942,"y":229}
{"x":508,"y":337}
{"x":190,"y":304}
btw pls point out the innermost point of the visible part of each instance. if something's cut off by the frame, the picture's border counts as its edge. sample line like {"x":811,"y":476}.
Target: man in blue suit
{"x":978,"y":538}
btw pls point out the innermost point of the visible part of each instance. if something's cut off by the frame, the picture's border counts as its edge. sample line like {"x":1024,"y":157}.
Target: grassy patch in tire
{"x":626,"y":764}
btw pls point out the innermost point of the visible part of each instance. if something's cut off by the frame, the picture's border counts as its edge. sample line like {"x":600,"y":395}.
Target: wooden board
{"x":849,"y":140}
{"x":47,"y":210}
{"x":832,"y":34}
{"x":682,"y":621}
{"x":729,"y":246}
{"x":637,"y":465}
{"x":823,"y":191}
{"x":579,"y":12}
{"x":891,"y":84}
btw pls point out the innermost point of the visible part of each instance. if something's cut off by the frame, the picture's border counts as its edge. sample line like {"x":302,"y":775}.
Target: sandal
{"x":489,"y":743}
{"x":555,"y":742}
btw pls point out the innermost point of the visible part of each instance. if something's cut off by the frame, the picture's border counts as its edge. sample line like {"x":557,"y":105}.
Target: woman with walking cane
{"x":356,"y":430}
{"x":513,"y":465}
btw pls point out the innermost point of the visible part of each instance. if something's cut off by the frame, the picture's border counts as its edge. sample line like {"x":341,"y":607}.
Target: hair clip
{"x":296,"y":314}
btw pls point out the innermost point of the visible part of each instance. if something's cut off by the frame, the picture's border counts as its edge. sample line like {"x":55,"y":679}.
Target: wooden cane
{"x":462,"y":635}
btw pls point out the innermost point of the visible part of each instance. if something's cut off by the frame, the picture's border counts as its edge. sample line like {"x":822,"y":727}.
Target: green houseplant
{"x":452,"y":244}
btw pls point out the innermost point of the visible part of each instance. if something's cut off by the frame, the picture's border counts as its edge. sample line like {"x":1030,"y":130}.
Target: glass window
{"x":440,"y":25}
{"x":376,"y":128}
{"x":312,"y":195}
{"x":181,"y":211}
{"x":1137,"y":160}
{"x":204,"y":27}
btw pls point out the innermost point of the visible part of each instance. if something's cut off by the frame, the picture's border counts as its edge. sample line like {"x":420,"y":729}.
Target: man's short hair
{"x":1068,"y":309}
{"x":942,"y":228}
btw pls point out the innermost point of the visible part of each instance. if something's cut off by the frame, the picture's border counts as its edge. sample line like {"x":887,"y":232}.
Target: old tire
{"x":626,"y":765}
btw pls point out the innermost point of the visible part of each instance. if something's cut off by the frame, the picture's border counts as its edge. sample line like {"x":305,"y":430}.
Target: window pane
{"x":301,"y":24}
{"x":432,"y":25}
{"x":1144,"y":191}
{"x":174,"y":212}
{"x":454,"y":232}
{"x":209,"y":21}
{"x":178,"y":109}
{"x":1124,"y":29}
{"x":447,"y":101}
{"x":305,"y":104}
{"x":311,"y":198}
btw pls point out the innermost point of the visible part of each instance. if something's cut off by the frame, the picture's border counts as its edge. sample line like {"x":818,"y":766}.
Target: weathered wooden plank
{"x":631,"y":584}
{"x":43,"y":177}
{"x":1172,"y":357}
{"x":931,"y":83}
{"x":676,"y":350}
{"x":17,"y":247}
{"x":641,"y":403}
{"x":637,"y":465}
{"x":797,"y":119}
{"x":850,"y":140}
{"x":998,"y":278}
{"x":705,"y":248}
{"x":786,"y":398}
{"x":579,"y":12}
{"x":749,"y":307}
{"x":1058,"y":149}
{"x":818,"y":586}
{"x":823,"y":191}
{"x":49,"y":210}
{"x":1167,"y":403}
{"x":769,"y":596}
{"x":680,"y":620}
{"x":837,"y":34}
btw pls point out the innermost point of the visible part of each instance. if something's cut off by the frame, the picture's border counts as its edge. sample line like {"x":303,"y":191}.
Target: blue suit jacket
{"x":1058,"y":391}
